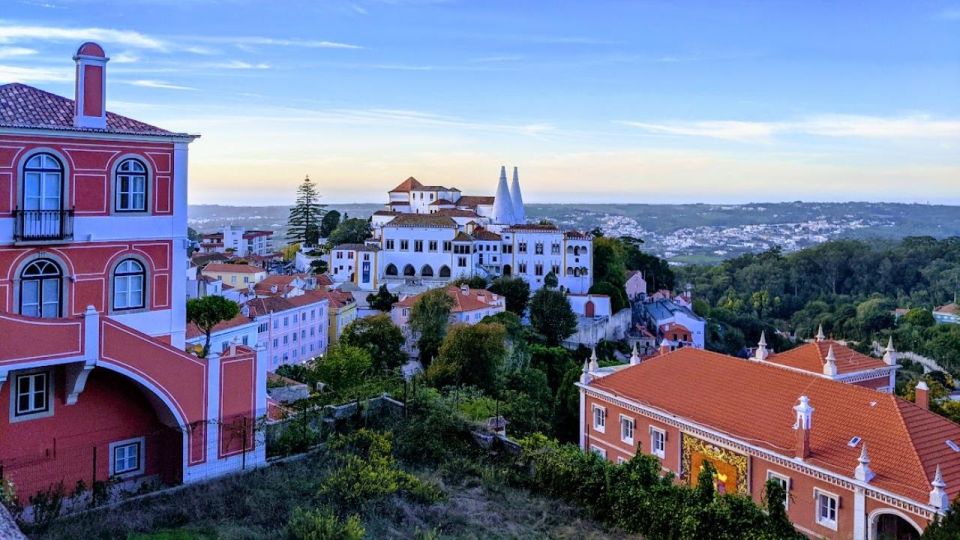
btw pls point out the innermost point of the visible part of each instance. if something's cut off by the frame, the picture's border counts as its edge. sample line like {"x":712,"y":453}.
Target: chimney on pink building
{"x":802,"y":427}
{"x":90,"y":104}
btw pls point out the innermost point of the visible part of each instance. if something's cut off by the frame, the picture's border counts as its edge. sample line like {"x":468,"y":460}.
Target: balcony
{"x":43,"y":226}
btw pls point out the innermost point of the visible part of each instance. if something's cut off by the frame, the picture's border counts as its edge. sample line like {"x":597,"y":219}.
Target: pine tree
{"x":305,"y":216}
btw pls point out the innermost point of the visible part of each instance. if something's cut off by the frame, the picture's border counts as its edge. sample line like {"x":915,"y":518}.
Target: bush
{"x":321,"y":525}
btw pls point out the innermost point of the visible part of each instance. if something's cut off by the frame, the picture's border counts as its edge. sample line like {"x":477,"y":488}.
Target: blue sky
{"x":594,"y":101}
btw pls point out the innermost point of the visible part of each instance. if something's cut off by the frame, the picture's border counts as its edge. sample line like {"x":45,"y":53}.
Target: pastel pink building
{"x":93,"y":238}
{"x":291,"y":330}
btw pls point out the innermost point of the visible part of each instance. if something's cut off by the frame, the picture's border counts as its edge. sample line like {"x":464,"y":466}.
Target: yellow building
{"x":235,"y":275}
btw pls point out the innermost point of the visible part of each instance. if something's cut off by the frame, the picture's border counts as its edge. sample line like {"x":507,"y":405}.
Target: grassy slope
{"x":258,"y":504}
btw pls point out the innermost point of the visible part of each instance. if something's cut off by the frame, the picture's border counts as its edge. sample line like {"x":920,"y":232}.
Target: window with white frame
{"x":784,"y":482}
{"x":131,"y":186}
{"x":128,"y":285}
{"x":126,"y":457}
{"x":626,"y":429}
{"x":598,"y":451}
{"x":599,"y":419}
{"x":31,"y":395}
{"x":621,"y":460}
{"x":658,"y":442}
{"x":827,"y":506}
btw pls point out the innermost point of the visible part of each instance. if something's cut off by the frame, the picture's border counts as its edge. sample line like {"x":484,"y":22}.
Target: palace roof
{"x":421,"y":220}
{"x":533,"y":227}
{"x":407,"y":185}
{"x":812,"y":356}
{"x":472,"y":201}
{"x":456,"y":212}
{"x":23,"y":106}
{"x":483,"y":234}
{"x":753,"y":402}
{"x":357,"y":247}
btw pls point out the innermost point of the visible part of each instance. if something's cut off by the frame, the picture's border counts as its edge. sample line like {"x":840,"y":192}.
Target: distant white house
{"x":948,"y":314}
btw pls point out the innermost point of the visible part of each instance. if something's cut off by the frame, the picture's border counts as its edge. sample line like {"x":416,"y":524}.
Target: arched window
{"x":40,"y":284}
{"x":42,"y":197}
{"x":131,"y":186}
{"x":128,"y":285}
{"x":391,"y":270}
{"x":408,"y":270}
{"x":426,"y":271}
{"x":444,"y":271}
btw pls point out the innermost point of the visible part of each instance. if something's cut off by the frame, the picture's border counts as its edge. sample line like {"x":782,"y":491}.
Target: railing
{"x":43,"y":225}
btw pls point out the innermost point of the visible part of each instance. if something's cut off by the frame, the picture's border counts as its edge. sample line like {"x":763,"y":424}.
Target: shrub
{"x":321,"y":525}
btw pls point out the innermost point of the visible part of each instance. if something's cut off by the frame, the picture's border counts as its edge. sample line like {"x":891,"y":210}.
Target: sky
{"x":594,"y":101}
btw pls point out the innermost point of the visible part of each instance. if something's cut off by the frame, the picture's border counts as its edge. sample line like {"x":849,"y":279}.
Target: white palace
{"x":429,"y":235}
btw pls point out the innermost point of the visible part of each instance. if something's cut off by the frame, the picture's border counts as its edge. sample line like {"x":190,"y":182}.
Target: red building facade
{"x":93,"y":302}
{"x":856,"y":462}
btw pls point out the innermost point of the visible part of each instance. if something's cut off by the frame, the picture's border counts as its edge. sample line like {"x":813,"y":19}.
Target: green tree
{"x":514,"y":290}
{"x":350,"y":231}
{"x":470,"y":355}
{"x":921,"y":318}
{"x":429,"y":318}
{"x":329,"y":223}
{"x":383,"y":300}
{"x":303,"y":225}
{"x":609,"y":261}
{"x":380,"y":337}
{"x":343,"y":367}
{"x":618,"y":296}
{"x":474,"y":282}
{"x":208,"y":311}
{"x":945,"y":527}
{"x":551,"y":281}
{"x":551,"y":316}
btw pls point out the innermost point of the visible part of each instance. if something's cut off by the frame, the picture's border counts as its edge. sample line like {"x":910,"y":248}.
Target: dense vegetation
{"x":849,"y":287}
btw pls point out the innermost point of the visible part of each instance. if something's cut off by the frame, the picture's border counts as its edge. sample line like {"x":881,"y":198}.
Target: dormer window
{"x":131,"y":186}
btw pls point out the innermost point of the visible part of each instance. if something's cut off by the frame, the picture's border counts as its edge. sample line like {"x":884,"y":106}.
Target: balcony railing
{"x":43,"y":225}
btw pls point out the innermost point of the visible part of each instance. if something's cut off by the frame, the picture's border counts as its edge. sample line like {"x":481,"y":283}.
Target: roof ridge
{"x":899,"y":403}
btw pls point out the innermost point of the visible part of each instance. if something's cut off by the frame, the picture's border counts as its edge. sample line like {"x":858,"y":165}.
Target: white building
{"x":291,"y":330}
{"x":430,"y":235}
{"x":240,"y":330}
{"x":238,"y":240}
{"x":675,"y":324}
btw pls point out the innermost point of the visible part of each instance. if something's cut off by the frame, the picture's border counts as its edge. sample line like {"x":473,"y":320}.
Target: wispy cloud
{"x":238,"y":64}
{"x":34,"y":74}
{"x":833,"y":125}
{"x":252,"y":41}
{"x":14,"y":32}
{"x":151,"y":83}
{"x":125,"y":57}
{"x":12,"y":52}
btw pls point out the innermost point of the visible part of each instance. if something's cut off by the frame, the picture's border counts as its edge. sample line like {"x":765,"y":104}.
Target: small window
{"x":658,"y":442}
{"x":126,"y":457}
{"x":599,"y":419}
{"x":131,"y":186}
{"x":128,"y":285}
{"x":827,"y":506}
{"x":32,"y":395}
{"x":598,"y":451}
{"x":626,"y":429}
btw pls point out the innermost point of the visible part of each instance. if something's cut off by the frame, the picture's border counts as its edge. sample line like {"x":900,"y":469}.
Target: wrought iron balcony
{"x":43,"y":226}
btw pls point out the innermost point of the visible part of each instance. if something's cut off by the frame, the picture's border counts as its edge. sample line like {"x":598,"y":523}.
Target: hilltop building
{"x":430,"y":235}
{"x":93,"y":231}
{"x":948,"y":314}
{"x":856,"y":462}
{"x":238,"y":241}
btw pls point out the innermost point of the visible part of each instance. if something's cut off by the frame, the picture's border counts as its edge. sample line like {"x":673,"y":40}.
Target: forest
{"x":850,"y":287}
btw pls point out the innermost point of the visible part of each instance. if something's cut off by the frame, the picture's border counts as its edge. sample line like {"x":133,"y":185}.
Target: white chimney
{"x":890,"y":354}
{"x":922,"y":395}
{"x":863,"y":472}
{"x":464,"y":290}
{"x":820,"y":336}
{"x":762,"y":352}
{"x":802,"y":426}
{"x":635,"y":356}
{"x":90,"y":97}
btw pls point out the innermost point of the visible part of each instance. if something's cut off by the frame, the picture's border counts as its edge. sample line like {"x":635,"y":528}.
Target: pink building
{"x":93,"y":238}
{"x":291,"y":330}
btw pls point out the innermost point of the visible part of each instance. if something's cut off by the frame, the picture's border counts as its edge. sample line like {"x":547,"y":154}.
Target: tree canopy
{"x":470,"y":355}
{"x":551,"y":316}
{"x":383,"y":300}
{"x":303,"y":225}
{"x":330,"y":221}
{"x":515,"y":291}
{"x":350,"y":231}
{"x":208,"y":311}
{"x":379,"y":337}
{"x":429,"y":318}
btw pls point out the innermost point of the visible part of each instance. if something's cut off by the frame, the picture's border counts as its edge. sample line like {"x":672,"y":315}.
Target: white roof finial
{"x":863,"y":471}
{"x":938,"y":495}
{"x":804,"y":414}
{"x":820,"y":336}
{"x":585,"y":374}
{"x":635,"y":356}
{"x":830,"y":366}
{"x":890,"y":354}
{"x":762,"y":351}
{"x":594,"y":364}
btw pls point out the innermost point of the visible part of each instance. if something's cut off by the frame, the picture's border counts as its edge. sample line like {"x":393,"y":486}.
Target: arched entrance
{"x":890,"y":524}
{"x":507,"y":270}
{"x":589,"y":309}
{"x":426,"y":271}
{"x":408,"y":270}
{"x":391,"y":270}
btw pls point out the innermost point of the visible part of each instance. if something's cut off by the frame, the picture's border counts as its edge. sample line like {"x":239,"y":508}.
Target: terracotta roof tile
{"x":23,"y":106}
{"x":812,"y":356}
{"x":456,"y":212}
{"x":193,"y":331}
{"x":473,"y":300}
{"x":951,"y":309}
{"x":753,"y":402}
{"x":406,"y":186}
{"x":472,"y":201}
{"x":421,"y":220}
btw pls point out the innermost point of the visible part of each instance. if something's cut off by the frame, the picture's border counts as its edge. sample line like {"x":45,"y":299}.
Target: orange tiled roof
{"x":337,"y":299}
{"x":441,"y":202}
{"x":753,"y":402}
{"x":421,"y":220}
{"x":456,"y":212}
{"x":812,"y":356}
{"x":951,"y":309}
{"x":471,"y":301}
{"x":406,"y":186}
{"x":483,"y":234}
{"x":473,"y":201}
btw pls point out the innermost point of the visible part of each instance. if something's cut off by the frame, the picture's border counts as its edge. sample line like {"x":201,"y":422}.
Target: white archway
{"x":874,"y":518}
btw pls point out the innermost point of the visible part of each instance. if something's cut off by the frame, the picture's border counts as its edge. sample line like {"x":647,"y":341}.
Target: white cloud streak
{"x":34,"y":75}
{"x":150,"y":83}
{"x":833,"y":125}
{"x":10,"y":33}
{"x":13,"y":52}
